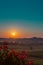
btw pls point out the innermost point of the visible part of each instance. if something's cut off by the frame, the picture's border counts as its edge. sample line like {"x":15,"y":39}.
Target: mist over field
{"x":35,"y":44}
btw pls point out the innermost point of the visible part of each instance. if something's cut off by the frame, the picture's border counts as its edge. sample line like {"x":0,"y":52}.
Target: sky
{"x":24,"y":17}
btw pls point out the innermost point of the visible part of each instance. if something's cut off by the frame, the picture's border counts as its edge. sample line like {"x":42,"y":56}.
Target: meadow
{"x":13,"y":57}
{"x":35,"y":56}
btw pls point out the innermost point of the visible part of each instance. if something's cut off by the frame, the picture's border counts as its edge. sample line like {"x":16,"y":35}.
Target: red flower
{"x":16,"y":53}
{"x":21,"y":57}
{"x":5,"y":47}
{"x":30,"y":62}
{"x":25,"y":54}
{"x":0,"y":48}
{"x":10,"y":53}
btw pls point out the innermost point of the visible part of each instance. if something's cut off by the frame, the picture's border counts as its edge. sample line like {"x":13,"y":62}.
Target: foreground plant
{"x":11,"y":57}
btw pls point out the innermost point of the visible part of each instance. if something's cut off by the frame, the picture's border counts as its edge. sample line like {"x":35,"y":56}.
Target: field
{"x":36,"y":53}
{"x":37,"y":57}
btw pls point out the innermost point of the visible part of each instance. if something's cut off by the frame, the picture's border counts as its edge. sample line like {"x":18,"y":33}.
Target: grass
{"x":38,"y":61}
{"x":38,"y":54}
{"x":37,"y":57}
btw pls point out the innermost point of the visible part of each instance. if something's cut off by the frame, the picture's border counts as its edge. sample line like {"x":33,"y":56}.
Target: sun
{"x":13,"y":33}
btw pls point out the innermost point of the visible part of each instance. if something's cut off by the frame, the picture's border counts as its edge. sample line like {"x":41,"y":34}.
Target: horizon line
{"x":21,"y":38}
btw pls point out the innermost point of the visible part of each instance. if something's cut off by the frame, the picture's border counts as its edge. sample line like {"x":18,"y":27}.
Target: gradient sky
{"x":25,"y":17}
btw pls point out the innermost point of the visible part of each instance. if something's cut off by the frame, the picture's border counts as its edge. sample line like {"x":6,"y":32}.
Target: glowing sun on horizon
{"x":13,"y":33}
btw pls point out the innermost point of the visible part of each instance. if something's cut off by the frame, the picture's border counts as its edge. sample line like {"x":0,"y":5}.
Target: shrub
{"x":11,"y":57}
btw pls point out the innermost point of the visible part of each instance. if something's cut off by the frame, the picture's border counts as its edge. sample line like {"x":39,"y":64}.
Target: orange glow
{"x":13,"y":33}
{"x":19,"y":34}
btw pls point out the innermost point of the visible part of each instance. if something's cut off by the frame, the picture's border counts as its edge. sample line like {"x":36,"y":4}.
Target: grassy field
{"x":37,"y":57}
{"x":38,"y":62}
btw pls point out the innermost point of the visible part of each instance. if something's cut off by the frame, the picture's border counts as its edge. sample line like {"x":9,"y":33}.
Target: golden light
{"x":13,"y":33}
